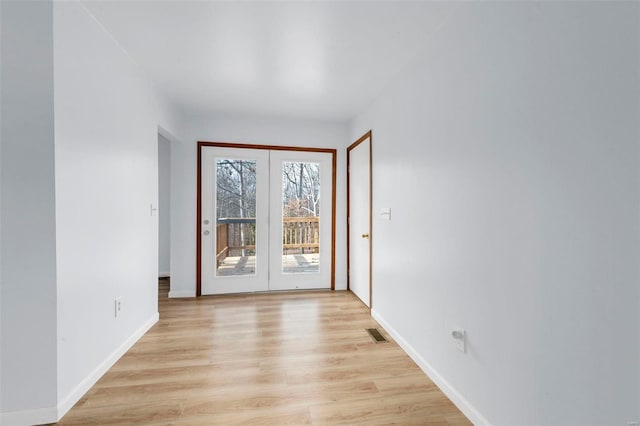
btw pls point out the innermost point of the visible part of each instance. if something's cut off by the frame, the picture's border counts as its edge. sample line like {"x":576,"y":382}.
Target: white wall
{"x":239,"y":129}
{"x":106,"y":135}
{"x":164,"y":202}
{"x":28,"y":269}
{"x":508,"y":153}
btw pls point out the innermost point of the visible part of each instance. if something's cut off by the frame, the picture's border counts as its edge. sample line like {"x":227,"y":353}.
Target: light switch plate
{"x":385,"y":213}
{"x":117,"y":306}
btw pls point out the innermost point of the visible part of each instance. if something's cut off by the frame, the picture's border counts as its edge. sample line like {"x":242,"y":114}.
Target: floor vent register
{"x":376,"y":335}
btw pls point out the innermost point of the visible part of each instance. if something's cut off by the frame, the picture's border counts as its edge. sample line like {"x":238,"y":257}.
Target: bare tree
{"x":301,"y":189}
{"x":236,"y":194}
{"x":236,"y":183}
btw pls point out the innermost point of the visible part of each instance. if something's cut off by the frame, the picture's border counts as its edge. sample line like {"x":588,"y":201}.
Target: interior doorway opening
{"x":164,"y":207}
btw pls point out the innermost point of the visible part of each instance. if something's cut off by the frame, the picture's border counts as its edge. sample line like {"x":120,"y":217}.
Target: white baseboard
{"x":467,"y":409}
{"x":69,"y":401}
{"x":179,"y":294}
{"x":29,"y":417}
{"x":53,"y":414}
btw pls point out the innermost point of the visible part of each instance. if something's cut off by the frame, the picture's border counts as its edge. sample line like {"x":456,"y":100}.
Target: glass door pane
{"x":235,"y":217}
{"x":234,"y":220}
{"x":300,"y":217}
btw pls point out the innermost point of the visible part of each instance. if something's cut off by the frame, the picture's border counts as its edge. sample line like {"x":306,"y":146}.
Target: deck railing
{"x":300,"y":235}
{"x":237,"y":236}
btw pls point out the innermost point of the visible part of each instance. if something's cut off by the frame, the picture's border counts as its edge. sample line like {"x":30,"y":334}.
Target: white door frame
{"x":365,"y":137}
{"x":199,"y":230}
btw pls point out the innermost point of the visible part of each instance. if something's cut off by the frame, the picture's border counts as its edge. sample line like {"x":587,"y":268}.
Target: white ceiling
{"x":309,"y":59}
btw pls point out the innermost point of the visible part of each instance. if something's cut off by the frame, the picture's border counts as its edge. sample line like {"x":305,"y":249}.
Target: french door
{"x":265,"y":219}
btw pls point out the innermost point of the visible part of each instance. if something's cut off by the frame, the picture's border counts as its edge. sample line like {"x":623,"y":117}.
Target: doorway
{"x":164,"y":210}
{"x":359,"y":218}
{"x":266,"y":218}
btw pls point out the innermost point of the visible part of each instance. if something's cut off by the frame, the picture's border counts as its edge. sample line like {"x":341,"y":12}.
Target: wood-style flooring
{"x":264,"y":359}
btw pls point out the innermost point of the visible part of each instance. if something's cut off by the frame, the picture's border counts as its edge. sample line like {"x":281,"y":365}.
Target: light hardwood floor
{"x":284,"y":358}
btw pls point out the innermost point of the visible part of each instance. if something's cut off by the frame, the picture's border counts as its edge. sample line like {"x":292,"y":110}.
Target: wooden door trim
{"x":203,"y":144}
{"x":363,"y":138}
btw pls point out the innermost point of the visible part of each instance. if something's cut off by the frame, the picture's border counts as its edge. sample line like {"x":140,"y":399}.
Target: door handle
{"x":206,"y":232}
{"x":365,"y":235}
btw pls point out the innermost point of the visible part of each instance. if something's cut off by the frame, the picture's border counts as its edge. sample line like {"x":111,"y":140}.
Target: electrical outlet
{"x":118,"y":306}
{"x":459,"y":339}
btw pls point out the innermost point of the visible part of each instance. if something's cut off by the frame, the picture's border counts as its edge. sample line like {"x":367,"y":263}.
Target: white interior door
{"x":235,"y":220}
{"x":359,"y":220}
{"x":266,"y":220}
{"x":300,"y":220}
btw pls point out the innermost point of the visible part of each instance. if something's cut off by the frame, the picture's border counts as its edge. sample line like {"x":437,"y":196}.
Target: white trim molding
{"x":467,"y":409}
{"x":181,"y":294}
{"x":69,"y":401}
{"x":29,"y":417}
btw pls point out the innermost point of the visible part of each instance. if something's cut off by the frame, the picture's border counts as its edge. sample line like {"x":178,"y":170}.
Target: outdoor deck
{"x":292,"y":263}
{"x":236,"y":245}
